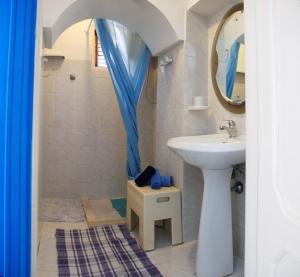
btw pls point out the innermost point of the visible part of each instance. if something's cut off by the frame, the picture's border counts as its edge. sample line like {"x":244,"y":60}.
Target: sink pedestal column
{"x":215,"y":250}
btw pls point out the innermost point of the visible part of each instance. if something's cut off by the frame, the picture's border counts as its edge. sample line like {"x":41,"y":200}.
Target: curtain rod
{"x":88,"y":29}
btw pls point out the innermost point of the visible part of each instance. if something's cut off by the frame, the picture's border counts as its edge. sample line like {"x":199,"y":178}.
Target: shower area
{"x":83,"y":141}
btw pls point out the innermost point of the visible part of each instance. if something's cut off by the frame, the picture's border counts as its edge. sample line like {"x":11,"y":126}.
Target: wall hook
{"x":238,"y":187}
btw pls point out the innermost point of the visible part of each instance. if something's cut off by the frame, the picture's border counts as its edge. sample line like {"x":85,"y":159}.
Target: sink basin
{"x":216,"y":151}
{"x":216,"y":155}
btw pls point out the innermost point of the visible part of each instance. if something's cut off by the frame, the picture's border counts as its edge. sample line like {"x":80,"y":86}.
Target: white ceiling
{"x":210,"y":7}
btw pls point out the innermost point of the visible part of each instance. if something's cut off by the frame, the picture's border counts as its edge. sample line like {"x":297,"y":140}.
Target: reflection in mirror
{"x":231,"y":66}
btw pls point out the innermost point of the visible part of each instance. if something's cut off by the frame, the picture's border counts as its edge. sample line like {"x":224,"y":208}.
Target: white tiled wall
{"x":170,"y":114}
{"x":178,"y":83}
{"x":195,"y":122}
{"x":83,"y":139}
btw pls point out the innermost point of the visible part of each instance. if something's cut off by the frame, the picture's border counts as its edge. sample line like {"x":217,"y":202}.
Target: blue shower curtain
{"x":231,"y":64}
{"x":127,"y":58}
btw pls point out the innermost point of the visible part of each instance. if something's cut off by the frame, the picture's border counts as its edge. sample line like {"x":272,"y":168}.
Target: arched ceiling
{"x":158,"y":29}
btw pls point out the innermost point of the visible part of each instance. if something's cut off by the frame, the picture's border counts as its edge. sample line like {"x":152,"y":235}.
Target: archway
{"x":140,"y":16}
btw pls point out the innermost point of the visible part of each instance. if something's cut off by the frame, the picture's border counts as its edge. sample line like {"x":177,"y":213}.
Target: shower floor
{"x":61,"y":210}
{"x":94,"y":211}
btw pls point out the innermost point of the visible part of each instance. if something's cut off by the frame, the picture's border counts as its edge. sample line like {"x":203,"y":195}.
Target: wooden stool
{"x":151,"y":205}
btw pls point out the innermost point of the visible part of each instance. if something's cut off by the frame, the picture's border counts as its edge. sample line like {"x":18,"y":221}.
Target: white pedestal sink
{"x":216,"y":155}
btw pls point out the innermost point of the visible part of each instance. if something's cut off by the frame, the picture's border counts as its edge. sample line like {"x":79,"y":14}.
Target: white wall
{"x":209,"y":7}
{"x":175,"y":12}
{"x":75,"y":43}
{"x":178,"y":83}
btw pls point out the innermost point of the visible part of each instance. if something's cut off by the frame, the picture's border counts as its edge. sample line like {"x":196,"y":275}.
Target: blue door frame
{"x":17,"y":32}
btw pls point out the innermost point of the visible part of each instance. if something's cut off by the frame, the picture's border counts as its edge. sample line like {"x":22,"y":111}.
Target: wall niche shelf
{"x":197,"y":108}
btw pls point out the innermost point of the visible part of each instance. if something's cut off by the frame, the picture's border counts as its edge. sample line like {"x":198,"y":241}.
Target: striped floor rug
{"x":103,"y":251}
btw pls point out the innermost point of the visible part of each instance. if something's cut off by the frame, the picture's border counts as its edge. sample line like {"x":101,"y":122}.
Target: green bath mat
{"x":120,"y":205}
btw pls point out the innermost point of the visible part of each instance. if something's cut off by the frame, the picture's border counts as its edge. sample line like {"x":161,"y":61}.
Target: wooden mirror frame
{"x":214,"y":63}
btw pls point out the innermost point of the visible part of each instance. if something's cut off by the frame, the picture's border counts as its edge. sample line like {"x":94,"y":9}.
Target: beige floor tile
{"x":47,"y":274}
{"x":49,"y":228}
{"x":174,"y":270}
{"x":175,"y":260}
{"x":47,"y":256}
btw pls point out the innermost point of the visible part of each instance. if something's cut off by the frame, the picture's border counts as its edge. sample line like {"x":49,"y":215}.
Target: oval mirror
{"x":228,"y":60}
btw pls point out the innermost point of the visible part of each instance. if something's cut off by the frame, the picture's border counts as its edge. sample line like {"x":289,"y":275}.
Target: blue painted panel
{"x":17,"y":29}
{"x":5,"y":23}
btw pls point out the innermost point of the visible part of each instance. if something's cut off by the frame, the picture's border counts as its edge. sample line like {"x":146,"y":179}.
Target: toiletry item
{"x":156,"y":180}
{"x":144,"y":178}
{"x":166,"y":181}
{"x":198,"y":101}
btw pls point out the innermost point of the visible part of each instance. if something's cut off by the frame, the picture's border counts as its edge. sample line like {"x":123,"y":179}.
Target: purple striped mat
{"x":103,"y":251}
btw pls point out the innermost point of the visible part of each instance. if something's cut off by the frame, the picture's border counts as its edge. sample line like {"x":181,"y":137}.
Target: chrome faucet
{"x":231,"y":128}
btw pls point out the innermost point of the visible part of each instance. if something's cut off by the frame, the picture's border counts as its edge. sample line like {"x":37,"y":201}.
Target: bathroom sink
{"x":216,"y":151}
{"x":216,"y":155}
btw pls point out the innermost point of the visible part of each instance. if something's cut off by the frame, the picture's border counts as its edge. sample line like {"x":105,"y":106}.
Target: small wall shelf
{"x":53,"y":57}
{"x":197,"y":108}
